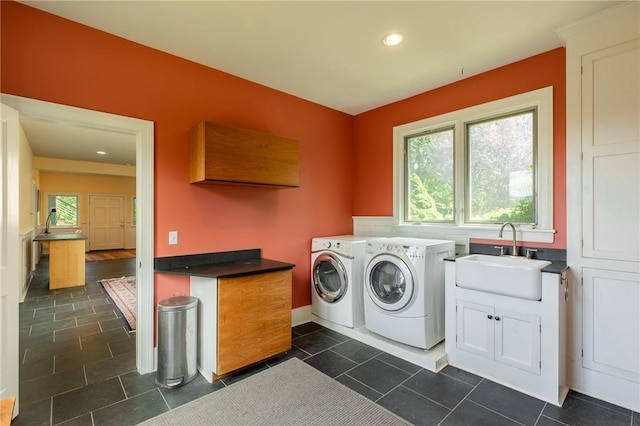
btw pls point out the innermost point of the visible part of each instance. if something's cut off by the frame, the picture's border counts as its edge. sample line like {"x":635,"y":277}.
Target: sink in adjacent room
{"x":506,"y":275}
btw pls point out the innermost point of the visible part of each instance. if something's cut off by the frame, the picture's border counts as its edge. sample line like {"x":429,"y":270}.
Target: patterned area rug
{"x":93,"y":256}
{"x":122,"y":292}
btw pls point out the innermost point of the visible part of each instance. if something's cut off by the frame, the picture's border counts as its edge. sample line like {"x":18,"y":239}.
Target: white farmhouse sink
{"x":510,"y":276}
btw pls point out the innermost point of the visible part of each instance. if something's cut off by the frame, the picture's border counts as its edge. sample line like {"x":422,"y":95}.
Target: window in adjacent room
{"x":480,"y":166}
{"x":134,"y":209}
{"x":66,"y":214}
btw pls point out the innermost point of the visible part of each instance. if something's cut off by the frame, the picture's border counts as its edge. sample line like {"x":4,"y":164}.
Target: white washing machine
{"x":337,"y":265}
{"x":404,"y":297}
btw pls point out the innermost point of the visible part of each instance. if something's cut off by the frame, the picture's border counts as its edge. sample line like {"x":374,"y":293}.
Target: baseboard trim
{"x":300,"y":315}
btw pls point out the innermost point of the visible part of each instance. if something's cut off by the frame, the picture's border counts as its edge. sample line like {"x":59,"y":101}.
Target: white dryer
{"x":404,"y":297}
{"x":337,"y":265}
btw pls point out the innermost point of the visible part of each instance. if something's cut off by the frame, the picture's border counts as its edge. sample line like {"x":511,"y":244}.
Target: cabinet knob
{"x":497,"y":318}
{"x":490,"y":316}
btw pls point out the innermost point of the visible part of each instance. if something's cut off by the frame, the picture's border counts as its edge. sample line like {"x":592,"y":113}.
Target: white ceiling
{"x":330,"y":52}
{"x":60,"y":140}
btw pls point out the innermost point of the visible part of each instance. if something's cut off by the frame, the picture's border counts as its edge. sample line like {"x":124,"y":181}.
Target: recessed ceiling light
{"x":392,"y":39}
{"x":101,"y":153}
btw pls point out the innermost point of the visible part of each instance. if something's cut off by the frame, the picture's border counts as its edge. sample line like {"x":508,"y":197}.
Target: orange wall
{"x":346,"y":162}
{"x":373,"y":130}
{"x":49,"y":58}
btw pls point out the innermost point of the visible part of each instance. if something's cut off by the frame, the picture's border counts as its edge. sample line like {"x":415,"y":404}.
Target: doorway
{"x":143,"y":132}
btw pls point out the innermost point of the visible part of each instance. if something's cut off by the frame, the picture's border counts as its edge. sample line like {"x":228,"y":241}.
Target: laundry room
{"x":343,"y":199}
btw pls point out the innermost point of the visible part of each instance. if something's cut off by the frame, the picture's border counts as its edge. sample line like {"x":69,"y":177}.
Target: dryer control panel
{"x":341,"y":246}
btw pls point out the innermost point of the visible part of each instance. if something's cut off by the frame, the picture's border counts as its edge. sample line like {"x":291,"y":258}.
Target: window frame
{"x":66,"y":194}
{"x":134,"y":210}
{"x":406,"y":172}
{"x":467,"y":163}
{"x":542,"y":100}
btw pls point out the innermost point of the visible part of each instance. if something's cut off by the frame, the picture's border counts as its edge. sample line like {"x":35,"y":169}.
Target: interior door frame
{"x":143,"y":131}
{"x":9,"y":259}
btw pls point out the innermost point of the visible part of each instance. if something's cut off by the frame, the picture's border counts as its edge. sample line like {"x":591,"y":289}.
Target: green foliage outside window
{"x":500,"y":169}
{"x":522,"y":212}
{"x":430,"y":176}
{"x":423,"y":206}
{"x":500,"y":172}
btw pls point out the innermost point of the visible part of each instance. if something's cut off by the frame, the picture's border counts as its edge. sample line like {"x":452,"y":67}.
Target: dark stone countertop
{"x":59,"y":237}
{"x":219,"y":265}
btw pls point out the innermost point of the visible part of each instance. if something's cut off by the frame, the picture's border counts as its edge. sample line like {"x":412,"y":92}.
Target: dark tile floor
{"x":78,"y":368}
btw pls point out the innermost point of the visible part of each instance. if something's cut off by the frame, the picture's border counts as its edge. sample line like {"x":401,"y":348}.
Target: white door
{"x":611,"y":335}
{"x":106,"y":222}
{"x":611,"y":153}
{"x":603,"y":202}
{"x":389,"y":282}
{"x":329,"y":278}
{"x":475,"y":328}
{"x":518,"y":340}
{"x":611,"y":209}
{"x":9,"y":260}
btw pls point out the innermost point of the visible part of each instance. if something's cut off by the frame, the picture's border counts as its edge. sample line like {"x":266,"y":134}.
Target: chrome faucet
{"x":514,"y":250}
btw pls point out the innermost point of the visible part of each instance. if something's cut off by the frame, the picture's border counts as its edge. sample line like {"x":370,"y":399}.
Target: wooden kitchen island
{"x":66,"y":259}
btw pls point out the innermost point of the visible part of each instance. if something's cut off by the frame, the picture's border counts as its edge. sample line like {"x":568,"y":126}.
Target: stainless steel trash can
{"x":177,"y":341}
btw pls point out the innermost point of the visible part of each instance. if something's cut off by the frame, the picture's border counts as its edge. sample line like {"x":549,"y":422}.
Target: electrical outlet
{"x":173,"y":237}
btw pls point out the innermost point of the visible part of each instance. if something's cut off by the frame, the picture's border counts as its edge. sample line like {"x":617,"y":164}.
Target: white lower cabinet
{"x":508,"y":337}
{"x":611,"y":324}
{"x":515,"y":342}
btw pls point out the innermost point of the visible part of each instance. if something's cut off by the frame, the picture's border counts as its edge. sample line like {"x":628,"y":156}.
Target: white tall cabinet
{"x":603,"y":215}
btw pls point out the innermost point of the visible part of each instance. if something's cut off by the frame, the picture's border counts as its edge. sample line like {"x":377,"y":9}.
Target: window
{"x":429,"y":176}
{"x":500,"y":169}
{"x":477,"y":167}
{"x":66,"y":214}
{"x":134,"y":210}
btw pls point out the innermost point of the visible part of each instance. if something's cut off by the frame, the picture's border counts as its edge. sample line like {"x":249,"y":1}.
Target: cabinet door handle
{"x":497,"y":318}
{"x":490,"y":316}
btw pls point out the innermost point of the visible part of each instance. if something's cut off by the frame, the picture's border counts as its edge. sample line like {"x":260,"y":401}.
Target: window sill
{"x":482,"y":232}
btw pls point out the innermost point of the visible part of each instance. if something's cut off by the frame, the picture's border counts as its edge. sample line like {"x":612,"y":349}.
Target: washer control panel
{"x":333,"y":245}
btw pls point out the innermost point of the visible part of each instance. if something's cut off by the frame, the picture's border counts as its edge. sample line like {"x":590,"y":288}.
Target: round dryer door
{"x":329,"y":278}
{"x":389,"y":282}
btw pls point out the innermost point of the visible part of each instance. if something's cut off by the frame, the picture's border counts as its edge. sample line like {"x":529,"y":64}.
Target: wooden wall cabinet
{"x":230,"y":155}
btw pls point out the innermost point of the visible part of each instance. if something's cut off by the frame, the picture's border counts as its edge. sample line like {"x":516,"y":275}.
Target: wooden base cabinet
{"x":241,"y":320}
{"x":254,"y":319}
{"x":66,"y":259}
{"x":66,"y":264}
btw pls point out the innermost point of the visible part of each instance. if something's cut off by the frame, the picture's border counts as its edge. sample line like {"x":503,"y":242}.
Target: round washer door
{"x":389,"y":283}
{"x":329,"y":278}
